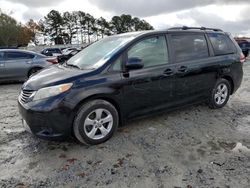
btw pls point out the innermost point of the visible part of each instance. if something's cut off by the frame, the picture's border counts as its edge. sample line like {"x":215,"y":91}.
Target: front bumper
{"x":47,"y":122}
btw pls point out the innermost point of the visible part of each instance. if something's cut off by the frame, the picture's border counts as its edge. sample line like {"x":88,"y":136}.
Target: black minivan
{"x":127,"y":76}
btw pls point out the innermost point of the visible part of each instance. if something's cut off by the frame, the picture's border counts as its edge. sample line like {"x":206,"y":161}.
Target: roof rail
{"x":199,"y":28}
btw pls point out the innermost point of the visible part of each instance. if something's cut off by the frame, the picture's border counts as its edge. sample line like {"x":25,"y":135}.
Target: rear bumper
{"x":52,"y":124}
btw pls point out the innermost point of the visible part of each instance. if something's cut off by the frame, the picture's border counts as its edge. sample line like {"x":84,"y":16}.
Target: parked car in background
{"x":66,"y":50}
{"x":52,"y":52}
{"x":131,"y":75}
{"x":56,"y":52}
{"x":62,"y":54}
{"x":245,"y":46}
{"x":67,"y":55}
{"x":21,"y":64}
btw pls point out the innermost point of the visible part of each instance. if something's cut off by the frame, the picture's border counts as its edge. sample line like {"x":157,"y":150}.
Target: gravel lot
{"x":192,"y":147}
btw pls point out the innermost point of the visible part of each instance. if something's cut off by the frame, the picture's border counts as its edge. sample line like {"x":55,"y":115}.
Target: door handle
{"x":168,"y":72}
{"x":182,"y":69}
{"x":1,"y":65}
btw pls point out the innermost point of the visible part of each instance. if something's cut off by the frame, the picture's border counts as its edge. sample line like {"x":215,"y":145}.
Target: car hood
{"x":53,"y":75}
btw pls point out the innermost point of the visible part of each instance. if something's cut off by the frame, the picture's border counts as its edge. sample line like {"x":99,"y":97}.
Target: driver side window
{"x":152,"y":51}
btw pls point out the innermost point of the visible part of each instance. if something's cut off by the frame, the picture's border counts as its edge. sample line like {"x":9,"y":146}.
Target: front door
{"x":18,"y":64}
{"x":150,"y":88}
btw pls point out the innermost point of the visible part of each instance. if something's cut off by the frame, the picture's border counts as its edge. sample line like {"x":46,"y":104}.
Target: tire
{"x":220,"y":94}
{"x":33,"y":71}
{"x":95,"y":122}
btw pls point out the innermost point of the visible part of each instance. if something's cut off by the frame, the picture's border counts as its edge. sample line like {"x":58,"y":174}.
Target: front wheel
{"x":95,"y":122}
{"x":220,"y":94}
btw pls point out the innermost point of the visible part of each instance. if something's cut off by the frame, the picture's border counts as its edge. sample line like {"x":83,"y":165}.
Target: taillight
{"x":53,"y":61}
{"x":242,"y":58}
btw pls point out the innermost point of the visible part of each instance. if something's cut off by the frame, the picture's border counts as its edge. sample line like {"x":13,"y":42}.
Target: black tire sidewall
{"x":84,"y":112}
{"x":212,"y":102}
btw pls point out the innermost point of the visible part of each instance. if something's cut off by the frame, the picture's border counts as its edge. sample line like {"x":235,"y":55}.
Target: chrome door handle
{"x":1,"y":65}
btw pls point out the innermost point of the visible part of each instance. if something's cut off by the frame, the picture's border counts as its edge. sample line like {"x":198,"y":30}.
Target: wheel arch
{"x":112,"y":101}
{"x":230,"y":80}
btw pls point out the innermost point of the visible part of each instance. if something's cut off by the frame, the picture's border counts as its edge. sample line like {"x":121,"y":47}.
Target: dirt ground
{"x":192,"y":147}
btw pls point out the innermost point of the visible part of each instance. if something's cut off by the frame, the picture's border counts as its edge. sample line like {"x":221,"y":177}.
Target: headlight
{"x":51,"y":91}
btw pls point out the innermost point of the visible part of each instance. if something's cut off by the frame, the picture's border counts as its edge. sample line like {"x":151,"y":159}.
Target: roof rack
{"x":199,"y":28}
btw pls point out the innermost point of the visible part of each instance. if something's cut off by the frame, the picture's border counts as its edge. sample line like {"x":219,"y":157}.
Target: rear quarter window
{"x":222,"y":44}
{"x":189,"y":47}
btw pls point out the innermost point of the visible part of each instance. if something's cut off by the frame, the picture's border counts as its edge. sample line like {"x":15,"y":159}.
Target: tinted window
{"x":54,"y":51}
{"x":46,"y":52}
{"x":152,"y":51}
{"x":189,"y":46}
{"x":244,"y":44}
{"x":19,"y":55}
{"x":221,"y":44}
{"x":1,"y":56}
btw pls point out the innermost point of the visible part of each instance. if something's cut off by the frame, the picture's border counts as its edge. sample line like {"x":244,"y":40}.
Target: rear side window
{"x":19,"y":55}
{"x":189,"y":47}
{"x":221,"y":43}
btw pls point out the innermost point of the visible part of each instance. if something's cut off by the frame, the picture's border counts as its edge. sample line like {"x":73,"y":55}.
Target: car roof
{"x":19,"y":50}
{"x":177,"y":30}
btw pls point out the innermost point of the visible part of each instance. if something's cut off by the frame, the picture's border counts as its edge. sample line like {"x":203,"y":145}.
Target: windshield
{"x":98,"y":53}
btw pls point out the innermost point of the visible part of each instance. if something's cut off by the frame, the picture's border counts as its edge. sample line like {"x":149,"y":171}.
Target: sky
{"x":230,"y":15}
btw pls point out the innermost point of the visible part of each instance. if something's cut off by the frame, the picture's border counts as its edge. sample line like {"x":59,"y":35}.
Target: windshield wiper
{"x":72,"y":65}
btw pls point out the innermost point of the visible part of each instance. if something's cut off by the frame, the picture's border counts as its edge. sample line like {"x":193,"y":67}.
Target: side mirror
{"x":134,"y":63}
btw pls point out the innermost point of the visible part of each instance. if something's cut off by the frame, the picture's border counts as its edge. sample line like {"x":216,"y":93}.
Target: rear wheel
{"x":220,"y":94}
{"x":95,"y":122}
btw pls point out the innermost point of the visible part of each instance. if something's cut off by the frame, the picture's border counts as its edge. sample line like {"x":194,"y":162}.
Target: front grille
{"x":25,"y":95}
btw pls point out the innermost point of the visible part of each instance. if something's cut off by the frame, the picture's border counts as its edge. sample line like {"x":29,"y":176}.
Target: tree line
{"x":63,"y":27}
{"x":13,"y":33}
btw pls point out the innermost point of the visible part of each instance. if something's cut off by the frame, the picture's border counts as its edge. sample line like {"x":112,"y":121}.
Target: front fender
{"x":78,"y":96}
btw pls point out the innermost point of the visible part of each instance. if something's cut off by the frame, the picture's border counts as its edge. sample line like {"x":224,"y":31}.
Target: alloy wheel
{"x":221,"y":94}
{"x":98,"y":124}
